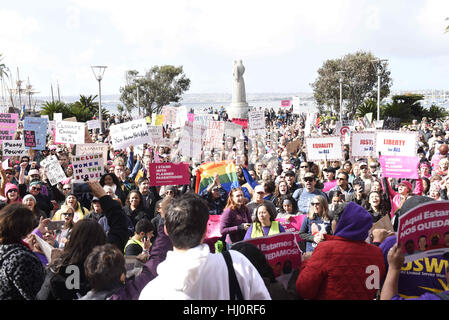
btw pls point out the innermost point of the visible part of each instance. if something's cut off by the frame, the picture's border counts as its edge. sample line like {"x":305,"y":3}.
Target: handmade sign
{"x":324,"y":148}
{"x":293,"y":225}
{"x":241,"y":122}
{"x":13,"y":148}
{"x":363,"y":144}
{"x":92,"y":148}
{"x":156,"y":135}
{"x":29,"y":138}
{"x":424,"y":230}
{"x":391,"y":123}
{"x":281,"y":251}
{"x":214,"y":135}
{"x":57,"y":117}
{"x":399,"y":167}
{"x":53,"y":170}
{"x":396,"y":143}
{"x":232,"y":130}
{"x":70,"y":132}
{"x":39,"y":126}
{"x":93,"y":124}
{"x":8,"y":126}
{"x":87,"y":167}
{"x":191,"y":140}
{"x":166,"y":173}
{"x":213,"y":226}
{"x":169,"y":114}
{"x":285,"y":103}
{"x":129,"y":133}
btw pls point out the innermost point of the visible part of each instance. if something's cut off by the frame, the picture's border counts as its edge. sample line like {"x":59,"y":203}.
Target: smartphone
{"x":55,"y":225}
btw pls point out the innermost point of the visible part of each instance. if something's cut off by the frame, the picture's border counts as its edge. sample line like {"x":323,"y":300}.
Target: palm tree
{"x":86,"y":108}
{"x":49,"y":108}
{"x":368,"y":106}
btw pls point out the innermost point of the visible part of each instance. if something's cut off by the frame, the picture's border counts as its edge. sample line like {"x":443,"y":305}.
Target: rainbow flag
{"x":22,"y":113}
{"x":227,"y":173}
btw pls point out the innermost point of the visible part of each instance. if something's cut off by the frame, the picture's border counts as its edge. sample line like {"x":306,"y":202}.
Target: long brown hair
{"x":16,"y":222}
{"x":231,"y":203}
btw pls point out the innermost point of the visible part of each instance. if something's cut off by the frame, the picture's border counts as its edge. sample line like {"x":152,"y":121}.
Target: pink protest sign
{"x":166,"y":173}
{"x":190,"y":117}
{"x":293,"y":226}
{"x":424,"y":230}
{"x":281,"y":251}
{"x":399,"y":166}
{"x":241,"y":122}
{"x":285,"y":103}
{"x":8,"y":126}
{"x":213,"y":226}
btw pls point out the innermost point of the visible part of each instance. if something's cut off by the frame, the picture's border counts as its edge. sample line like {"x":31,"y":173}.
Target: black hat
{"x":290,"y":173}
{"x":329,"y":169}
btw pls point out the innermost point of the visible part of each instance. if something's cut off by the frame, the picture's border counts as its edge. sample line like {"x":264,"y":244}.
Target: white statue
{"x":238,"y":92}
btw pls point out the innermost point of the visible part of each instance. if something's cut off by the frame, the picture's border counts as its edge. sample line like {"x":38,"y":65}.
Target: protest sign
{"x":213,"y":226}
{"x":383,"y":223}
{"x":324,"y":148}
{"x":169,"y":114}
{"x":156,"y":134}
{"x":215,"y":133}
{"x":285,"y":103}
{"x":39,"y":126}
{"x":281,"y":251}
{"x":391,"y":123}
{"x":53,"y":170}
{"x":166,"y":173}
{"x":399,"y":167}
{"x":293,"y":225}
{"x":292,"y":147}
{"x":29,"y":138}
{"x":129,"y":133}
{"x":191,"y":140}
{"x":232,"y":130}
{"x":310,"y":121}
{"x":70,"y":132}
{"x":203,"y":118}
{"x":241,"y":122}
{"x":396,"y":143}
{"x":14,"y":148}
{"x":92,"y":148}
{"x":191,"y":117}
{"x":57,"y":117}
{"x":256,"y":120}
{"x":87,"y":167}
{"x":93,"y":124}
{"x":424,"y":230}
{"x":362,"y":144}
{"x":8,"y":126}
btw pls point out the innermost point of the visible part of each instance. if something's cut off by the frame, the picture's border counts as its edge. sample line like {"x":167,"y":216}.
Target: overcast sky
{"x":282,"y":43}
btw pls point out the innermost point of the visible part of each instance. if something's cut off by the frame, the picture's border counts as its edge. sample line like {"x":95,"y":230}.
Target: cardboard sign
{"x":129,"y":133}
{"x":14,"y":148}
{"x":363,"y":144}
{"x":92,"y":148}
{"x":87,"y":167}
{"x":166,"y":173}
{"x":324,"y":148}
{"x":29,"y":138}
{"x":424,"y":230}
{"x":292,"y":147}
{"x":396,"y":143}
{"x":399,"y":167}
{"x":39,"y":126}
{"x":70,"y":132}
{"x":281,"y":251}
{"x":8,"y":126}
{"x":53,"y":170}
{"x":384,"y":223}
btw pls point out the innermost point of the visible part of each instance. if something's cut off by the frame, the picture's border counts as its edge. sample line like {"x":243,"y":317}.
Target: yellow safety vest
{"x":257,"y":231}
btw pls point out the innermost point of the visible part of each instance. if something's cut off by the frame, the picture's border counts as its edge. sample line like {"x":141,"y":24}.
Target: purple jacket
{"x":230,"y":222}
{"x":132,"y":288}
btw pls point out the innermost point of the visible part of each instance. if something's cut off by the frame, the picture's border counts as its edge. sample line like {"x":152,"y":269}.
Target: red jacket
{"x":339,"y":268}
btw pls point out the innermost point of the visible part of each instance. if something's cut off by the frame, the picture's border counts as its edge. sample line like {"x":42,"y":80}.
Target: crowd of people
{"x":92,"y":228}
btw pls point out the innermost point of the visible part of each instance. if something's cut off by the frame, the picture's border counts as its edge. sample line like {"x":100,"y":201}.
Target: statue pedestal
{"x":238,"y":110}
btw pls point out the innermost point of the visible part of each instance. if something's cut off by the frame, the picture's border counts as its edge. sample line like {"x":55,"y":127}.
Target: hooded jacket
{"x":341,"y":267}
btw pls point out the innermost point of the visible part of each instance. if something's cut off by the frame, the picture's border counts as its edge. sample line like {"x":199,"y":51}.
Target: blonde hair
{"x":323,"y":202}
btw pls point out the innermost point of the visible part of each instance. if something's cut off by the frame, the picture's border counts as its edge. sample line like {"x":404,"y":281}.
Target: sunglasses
{"x":340,"y":178}
{"x":12,"y":190}
{"x":315,"y":203}
{"x":304,"y":166}
{"x":34,"y":188}
{"x":69,"y":214}
{"x":309,"y":179}
{"x":67,"y":189}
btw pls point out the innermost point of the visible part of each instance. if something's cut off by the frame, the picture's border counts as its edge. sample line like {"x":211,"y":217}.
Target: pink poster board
{"x":167,"y":173}
{"x":399,"y":166}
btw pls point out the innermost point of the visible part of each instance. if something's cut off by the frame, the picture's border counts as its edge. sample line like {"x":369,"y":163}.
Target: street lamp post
{"x":378,"y":66}
{"x":136,"y":80}
{"x":341,"y":93}
{"x":98,"y":73}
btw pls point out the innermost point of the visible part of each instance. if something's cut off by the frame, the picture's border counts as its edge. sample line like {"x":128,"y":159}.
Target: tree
{"x":368,"y":106}
{"x":406,"y":107}
{"x":359,"y":81}
{"x":48,"y":108}
{"x":160,"y":86}
{"x":436,"y":112}
{"x":86,"y":109}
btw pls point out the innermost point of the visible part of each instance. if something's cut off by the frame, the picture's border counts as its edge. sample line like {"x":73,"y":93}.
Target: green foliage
{"x":160,"y":86}
{"x":436,"y":112}
{"x":48,"y":108}
{"x":359,"y":81}
{"x":368,"y":106}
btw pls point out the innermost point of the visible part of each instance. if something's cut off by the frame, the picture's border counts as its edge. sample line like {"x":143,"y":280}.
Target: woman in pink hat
{"x":405,"y":190}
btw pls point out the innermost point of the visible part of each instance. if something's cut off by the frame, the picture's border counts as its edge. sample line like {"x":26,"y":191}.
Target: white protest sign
{"x":203,"y":118}
{"x":57,"y":116}
{"x":93,"y":124}
{"x":232,"y":130}
{"x":69,"y":132}
{"x":129,"y":133}
{"x":396,"y":143}
{"x":363,"y":144}
{"x":324,"y":148}
{"x":155,"y":134}
{"x":12,"y":148}
{"x":92,"y":148}
{"x":53,"y":170}
{"x":310,"y":121}
{"x":181,"y":116}
{"x":190,"y":143}
{"x":87,"y":167}
{"x":215,"y":133}
{"x":256,"y":123}
{"x":169,"y":114}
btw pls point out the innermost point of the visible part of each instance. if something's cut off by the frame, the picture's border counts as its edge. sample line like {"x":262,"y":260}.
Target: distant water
{"x":214,"y":100}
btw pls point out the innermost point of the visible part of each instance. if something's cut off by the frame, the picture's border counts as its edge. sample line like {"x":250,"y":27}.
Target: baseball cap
{"x":407,"y":184}
{"x":259,"y":188}
{"x":329,"y":169}
{"x":362,"y":164}
{"x":33,"y":171}
{"x":290,"y":173}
